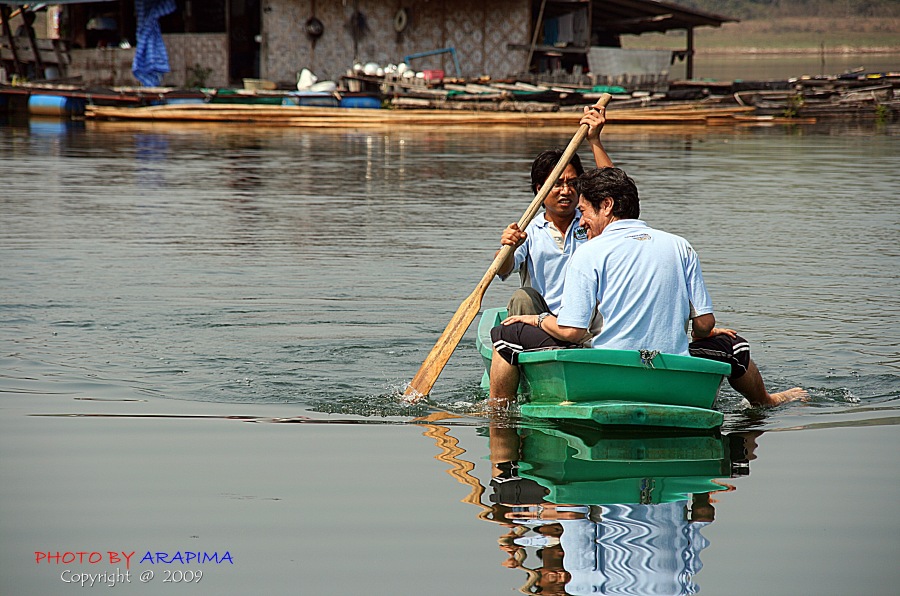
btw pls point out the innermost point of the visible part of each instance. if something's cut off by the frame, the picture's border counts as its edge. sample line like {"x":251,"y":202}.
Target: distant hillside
{"x":835,"y":26}
{"x":777,"y":9}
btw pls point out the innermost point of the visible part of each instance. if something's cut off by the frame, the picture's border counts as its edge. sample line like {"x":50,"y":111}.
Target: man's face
{"x":595,"y":220}
{"x":562,"y":199}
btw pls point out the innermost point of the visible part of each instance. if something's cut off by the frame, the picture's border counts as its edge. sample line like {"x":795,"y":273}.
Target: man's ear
{"x":606,"y":205}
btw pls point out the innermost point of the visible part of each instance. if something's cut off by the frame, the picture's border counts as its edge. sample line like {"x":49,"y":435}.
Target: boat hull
{"x":614,"y":387}
{"x":591,"y":466}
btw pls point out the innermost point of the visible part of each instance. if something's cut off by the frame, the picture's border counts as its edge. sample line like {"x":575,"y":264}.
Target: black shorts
{"x":734,"y":351}
{"x":510,"y":489}
{"x":512,"y":340}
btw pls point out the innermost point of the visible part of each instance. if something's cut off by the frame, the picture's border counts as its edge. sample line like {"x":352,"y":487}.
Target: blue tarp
{"x":151,"y":61}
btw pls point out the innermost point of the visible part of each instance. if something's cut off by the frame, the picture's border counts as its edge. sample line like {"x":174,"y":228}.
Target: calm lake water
{"x":206,"y":330}
{"x":765,"y":67}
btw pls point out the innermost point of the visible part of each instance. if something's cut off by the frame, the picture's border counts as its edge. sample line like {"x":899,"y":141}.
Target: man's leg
{"x":745,"y":377}
{"x":504,"y":381}
{"x":526,"y":301}
{"x":751,"y":385}
{"x":509,"y":341}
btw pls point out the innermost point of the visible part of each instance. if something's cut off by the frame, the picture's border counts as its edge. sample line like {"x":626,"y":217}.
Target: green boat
{"x":613,"y":387}
{"x":242,"y":97}
{"x":594,"y":466}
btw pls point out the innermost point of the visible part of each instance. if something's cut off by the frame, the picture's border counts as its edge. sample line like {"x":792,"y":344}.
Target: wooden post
{"x":534,"y":37}
{"x":62,"y":57}
{"x":38,"y":61}
{"x":689,"y":66}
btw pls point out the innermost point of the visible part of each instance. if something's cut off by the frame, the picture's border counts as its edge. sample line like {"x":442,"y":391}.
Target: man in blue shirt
{"x":645,"y":284}
{"x":545,"y":247}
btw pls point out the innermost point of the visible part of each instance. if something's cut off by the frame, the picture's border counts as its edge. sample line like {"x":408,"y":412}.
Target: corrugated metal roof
{"x":616,"y":16}
{"x":643,"y":16}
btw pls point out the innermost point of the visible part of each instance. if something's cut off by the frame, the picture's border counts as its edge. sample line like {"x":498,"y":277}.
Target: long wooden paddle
{"x":434,"y":363}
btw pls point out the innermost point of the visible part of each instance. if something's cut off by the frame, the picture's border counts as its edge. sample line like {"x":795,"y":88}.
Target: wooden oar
{"x":434,"y":363}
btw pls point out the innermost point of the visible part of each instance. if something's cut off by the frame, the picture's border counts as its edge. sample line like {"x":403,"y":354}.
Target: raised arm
{"x":595,"y":118}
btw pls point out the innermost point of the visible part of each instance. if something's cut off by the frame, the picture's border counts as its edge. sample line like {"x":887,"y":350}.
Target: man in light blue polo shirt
{"x":644,"y":311}
{"x":545,"y":247}
{"x":645,"y":284}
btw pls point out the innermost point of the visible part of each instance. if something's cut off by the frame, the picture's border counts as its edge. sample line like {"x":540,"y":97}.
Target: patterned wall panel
{"x":512,"y":25}
{"x":188,"y":50}
{"x":284,"y":49}
{"x":479,"y":30}
{"x":112,"y":66}
{"x":425,"y":33}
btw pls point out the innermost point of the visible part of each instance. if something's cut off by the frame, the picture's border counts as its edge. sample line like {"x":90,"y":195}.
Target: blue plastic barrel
{"x":55,"y":105}
{"x":319,"y":99}
{"x":185,"y":100}
{"x":360,"y":101}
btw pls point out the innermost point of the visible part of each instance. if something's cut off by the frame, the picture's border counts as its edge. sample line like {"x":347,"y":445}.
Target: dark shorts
{"x":733,"y":351}
{"x":510,"y":489}
{"x":512,"y":340}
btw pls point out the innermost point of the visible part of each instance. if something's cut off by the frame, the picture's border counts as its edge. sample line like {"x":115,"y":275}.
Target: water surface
{"x":206,"y":329}
{"x":769,"y":67}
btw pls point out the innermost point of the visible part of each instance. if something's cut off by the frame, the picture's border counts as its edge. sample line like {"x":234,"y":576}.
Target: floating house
{"x":218,"y":43}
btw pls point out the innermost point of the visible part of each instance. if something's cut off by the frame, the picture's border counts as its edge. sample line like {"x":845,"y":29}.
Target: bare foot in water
{"x":751,"y":386}
{"x":793,"y":394}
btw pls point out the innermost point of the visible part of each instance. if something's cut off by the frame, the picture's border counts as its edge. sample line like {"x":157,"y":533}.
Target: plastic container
{"x":361,"y":101}
{"x":182,"y":100}
{"x":55,"y":105}
{"x":311,"y":98}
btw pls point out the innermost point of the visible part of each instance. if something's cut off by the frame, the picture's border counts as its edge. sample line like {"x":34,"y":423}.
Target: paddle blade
{"x":431,"y":368}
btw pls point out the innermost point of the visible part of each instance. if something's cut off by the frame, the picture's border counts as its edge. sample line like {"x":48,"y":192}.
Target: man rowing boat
{"x":646,"y":285}
{"x":544,"y":248}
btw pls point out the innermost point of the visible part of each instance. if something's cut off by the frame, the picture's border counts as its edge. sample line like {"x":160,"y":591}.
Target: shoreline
{"x":828,"y":51}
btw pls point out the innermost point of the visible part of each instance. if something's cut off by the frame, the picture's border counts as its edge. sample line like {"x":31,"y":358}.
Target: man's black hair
{"x":543,"y":165}
{"x":596,"y":185}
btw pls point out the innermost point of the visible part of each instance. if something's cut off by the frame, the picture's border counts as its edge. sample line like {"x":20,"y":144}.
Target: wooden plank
{"x":462,"y":115}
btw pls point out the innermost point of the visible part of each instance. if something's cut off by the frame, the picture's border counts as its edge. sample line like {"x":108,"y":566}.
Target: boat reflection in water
{"x":592,"y":511}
